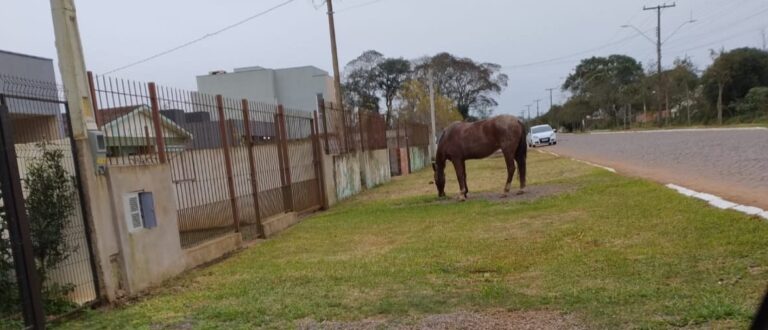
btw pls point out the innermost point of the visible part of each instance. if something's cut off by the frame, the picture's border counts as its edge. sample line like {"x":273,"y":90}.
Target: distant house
{"x":31,"y":76}
{"x":130,"y":131}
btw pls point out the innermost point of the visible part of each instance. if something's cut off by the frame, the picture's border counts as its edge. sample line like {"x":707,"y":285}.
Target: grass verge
{"x":616,"y":252}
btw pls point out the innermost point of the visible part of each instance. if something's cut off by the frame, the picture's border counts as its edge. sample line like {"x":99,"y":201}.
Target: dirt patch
{"x":532,"y":193}
{"x":545,"y":320}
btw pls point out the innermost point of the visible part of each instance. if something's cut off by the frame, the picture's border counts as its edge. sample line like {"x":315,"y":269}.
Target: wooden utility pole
{"x":433,"y":133}
{"x":551,"y":103}
{"x":335,"y":55}
{"x":662,"y":90}
{"x":538,"y":114}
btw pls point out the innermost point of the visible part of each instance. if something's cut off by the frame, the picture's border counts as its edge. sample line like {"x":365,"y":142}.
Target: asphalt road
{"x":730,"y":163}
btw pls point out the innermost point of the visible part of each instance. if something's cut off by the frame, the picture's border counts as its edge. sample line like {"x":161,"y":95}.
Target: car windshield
{"x":541,"y":129}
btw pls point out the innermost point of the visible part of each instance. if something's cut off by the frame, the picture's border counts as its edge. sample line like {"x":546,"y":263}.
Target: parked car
{"x":542,"y":135}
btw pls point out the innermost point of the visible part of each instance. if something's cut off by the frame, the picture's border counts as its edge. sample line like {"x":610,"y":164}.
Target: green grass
{"x":617,"y":252}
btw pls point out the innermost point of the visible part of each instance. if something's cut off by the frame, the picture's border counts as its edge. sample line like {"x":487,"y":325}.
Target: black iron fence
{"x":46,"y":261}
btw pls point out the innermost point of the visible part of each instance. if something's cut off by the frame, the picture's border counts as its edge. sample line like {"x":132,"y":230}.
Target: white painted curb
{"x":709,"y":198}
{"x":714,"y":129}
{"x":720,"y":203}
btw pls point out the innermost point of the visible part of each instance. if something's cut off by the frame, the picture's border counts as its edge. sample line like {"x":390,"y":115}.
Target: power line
{"x":208,"y":35}
{"x":569,"y":56}
{"x":361,"y":5}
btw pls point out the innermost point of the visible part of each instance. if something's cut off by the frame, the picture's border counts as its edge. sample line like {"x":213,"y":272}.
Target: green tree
{"x":390,"y":75}
{"x":606,"y":83}
{"x":470,"y":85}
{"x":733,"y":74}
{"x":755,"y":103}
{"x":681,"y":89}
{"x":414,"y":103}
{"x":359,"y":86}
{"x":50,"y":205}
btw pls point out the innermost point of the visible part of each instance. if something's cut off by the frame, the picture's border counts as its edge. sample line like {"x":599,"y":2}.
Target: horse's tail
{"x":522,"y":153}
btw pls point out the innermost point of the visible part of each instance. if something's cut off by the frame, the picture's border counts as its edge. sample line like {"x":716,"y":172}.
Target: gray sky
{"x":511,"y":33}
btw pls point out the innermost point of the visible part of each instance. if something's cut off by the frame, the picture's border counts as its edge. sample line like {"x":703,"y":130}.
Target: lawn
{"x":610,"y":251}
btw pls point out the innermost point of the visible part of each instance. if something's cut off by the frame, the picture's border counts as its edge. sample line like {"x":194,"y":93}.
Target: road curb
{"x":712,"y":200}
{"x":719,"y":202}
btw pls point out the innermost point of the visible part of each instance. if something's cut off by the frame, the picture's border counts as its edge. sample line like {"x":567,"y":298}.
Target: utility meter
{"x":99,"y":150}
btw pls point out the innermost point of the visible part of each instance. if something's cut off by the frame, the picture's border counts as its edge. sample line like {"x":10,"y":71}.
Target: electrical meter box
{"x":99,"y":149}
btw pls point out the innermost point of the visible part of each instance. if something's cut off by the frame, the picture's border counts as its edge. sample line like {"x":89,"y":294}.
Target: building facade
{"x":294,"y":88}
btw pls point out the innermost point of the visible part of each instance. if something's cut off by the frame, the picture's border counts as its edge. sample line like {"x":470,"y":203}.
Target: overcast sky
{"x":537,"y":42}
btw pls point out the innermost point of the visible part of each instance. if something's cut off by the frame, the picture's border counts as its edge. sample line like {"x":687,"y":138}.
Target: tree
{"x":606,"y":83}
{"x":754,"y":103}
{"x":50,"y":205}
{"x":683,"y":81}
{"x":360,"y":86}
{"x":414,"y":102}
{"x":733,"y":74}
{"x":470,"y":85}
{"x":389,"y":75}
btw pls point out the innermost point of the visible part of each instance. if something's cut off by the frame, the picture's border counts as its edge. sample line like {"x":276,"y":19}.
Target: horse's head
{"x":439,"y":178}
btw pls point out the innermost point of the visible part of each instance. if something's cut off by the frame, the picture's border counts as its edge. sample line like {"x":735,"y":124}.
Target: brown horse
{"x":462,"y":141}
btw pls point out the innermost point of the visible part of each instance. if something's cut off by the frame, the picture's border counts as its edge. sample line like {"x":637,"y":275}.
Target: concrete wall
{"x":419,"y":158}
{"x":375,"y":167}
{"x":346,"y":171}
{"x":360,"y":170}
{"x":148,"y":256}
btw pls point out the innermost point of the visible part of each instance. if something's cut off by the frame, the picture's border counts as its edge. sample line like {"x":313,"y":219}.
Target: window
{"x":140,"y":211}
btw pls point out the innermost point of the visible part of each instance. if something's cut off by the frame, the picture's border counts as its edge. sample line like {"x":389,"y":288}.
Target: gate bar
{"x":252,"y":166}
{"x":227,"y":160}
{"x":16,"y":214}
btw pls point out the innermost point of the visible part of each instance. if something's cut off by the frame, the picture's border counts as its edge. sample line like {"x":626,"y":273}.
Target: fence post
{"x":284,"y":158}
{"x":92,"y":90}
{"x":344,"y":128}
{"x":319,"y":165}
{"x":360,"y":122}
{"x":321,"y":108}
{"x":18,"y":226}
{"x":252,"y":167}
{"x":407,"y":147}
{"x":227,"y":160}
{"x":156,"y":122}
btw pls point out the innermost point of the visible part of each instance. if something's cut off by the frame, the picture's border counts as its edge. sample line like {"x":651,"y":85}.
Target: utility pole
{"x":551,"y":104}
{"x":335,"y":55}
{"x":537,"y":108}
{"x":433,"y":137}
{"x":529,"y":111}
{"x":662,"y":90}
{"x":95,"y":198}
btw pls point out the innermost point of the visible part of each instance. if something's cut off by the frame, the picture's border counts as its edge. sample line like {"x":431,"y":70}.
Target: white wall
{"x":294,"y":88}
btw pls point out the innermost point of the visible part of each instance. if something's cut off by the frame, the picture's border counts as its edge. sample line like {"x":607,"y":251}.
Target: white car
{"x":542,"y":135}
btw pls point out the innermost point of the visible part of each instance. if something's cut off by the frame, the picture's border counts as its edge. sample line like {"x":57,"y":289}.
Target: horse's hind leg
{"x":509,"y":158}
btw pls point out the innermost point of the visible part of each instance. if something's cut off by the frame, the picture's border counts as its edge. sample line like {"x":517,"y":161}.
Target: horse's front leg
{"x":461,"y":176}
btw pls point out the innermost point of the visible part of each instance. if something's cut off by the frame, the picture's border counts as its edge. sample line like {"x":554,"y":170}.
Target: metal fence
{"x":46,"y":261}
{"x":234,"y":162}
{"x":345,"y":131}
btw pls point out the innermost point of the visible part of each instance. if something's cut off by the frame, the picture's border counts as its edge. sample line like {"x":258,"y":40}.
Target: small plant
{"x":50,"y":206}
{"x":9,"y":294}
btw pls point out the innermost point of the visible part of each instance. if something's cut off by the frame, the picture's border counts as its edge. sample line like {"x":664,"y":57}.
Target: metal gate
{"x":45,"y":243}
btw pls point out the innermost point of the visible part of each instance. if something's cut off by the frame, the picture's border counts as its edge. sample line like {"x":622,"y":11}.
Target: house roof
{"x":110,"y":116}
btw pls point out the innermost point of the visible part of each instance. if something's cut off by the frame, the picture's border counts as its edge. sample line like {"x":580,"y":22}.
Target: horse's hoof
{"x":462,"y":198}
{"x":520,"y":192}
